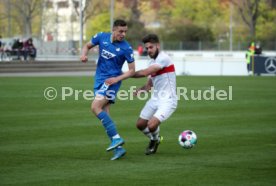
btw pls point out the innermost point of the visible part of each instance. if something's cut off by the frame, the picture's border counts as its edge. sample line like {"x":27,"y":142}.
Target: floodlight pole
{"x":57,"y":28}
{"x":81,"y":25}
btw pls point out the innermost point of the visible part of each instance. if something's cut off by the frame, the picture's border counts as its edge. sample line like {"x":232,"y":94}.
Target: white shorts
{"x":162,"y":110}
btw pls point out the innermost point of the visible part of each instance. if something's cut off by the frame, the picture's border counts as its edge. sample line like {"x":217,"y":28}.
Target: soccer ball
{"x":187,"y":139}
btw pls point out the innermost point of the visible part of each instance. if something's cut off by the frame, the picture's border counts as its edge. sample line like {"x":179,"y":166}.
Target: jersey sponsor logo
{"x":107,"y":55}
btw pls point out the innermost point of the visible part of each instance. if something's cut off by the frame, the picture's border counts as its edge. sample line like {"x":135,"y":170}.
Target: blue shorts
{"x":109,"y":92}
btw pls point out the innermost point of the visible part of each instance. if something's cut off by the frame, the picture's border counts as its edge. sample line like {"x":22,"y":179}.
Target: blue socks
{"x":108,"y":124}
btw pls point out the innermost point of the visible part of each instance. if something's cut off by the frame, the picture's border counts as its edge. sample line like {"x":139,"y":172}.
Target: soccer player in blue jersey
{"x":113,"y":52}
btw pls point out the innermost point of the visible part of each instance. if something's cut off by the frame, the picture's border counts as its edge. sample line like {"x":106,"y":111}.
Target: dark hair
{"x":119,"y":22}
{"x":151,"y":38}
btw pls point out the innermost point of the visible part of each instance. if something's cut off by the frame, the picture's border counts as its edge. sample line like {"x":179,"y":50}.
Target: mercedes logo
{"x":270,"y":65}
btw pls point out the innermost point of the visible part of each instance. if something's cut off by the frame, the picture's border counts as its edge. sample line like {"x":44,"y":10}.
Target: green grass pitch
{"x":61,"y":143}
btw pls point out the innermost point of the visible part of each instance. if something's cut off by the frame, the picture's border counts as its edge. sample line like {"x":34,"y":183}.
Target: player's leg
{"x":146,"y":113}
{"x":142,"y":125}
{"x":119,"y":151}
{"x":164,"y":111}
{"x":153,"y":126}
{"x":106,"y":108}
{"x":109,"y":93}
{"x":97,"y":106}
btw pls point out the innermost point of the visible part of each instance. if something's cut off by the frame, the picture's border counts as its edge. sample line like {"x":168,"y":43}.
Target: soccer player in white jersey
{"x":163,"y":102}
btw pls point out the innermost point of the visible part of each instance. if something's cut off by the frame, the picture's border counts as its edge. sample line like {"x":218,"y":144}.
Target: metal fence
{"x":215,"y":46}
{"x":71,"y":48}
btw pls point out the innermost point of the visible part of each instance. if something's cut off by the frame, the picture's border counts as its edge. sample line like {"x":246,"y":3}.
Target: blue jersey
{"x":112,"y":56}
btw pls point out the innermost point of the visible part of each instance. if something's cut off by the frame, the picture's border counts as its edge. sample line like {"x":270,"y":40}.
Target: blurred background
{"x":60,"y":26}
{"x":193,"y":30}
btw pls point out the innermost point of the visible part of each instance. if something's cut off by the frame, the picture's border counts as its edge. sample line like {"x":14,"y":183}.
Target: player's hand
{"x":138,"y":91}
{"x":111,"y":81}
{"x":84,"y":59}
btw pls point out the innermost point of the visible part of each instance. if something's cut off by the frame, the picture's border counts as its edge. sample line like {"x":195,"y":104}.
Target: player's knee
{"x":140,"y":124}
{"x":95,"y":109}
{"x":153,"y":125}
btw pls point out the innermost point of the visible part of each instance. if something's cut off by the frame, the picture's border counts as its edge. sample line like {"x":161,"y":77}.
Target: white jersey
{"x":164,"y":81}
{"x":164,"y":99}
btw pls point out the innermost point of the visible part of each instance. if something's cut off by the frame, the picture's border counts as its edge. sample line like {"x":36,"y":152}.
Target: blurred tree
{"x":136,"y":28}
{"x":190,"y":20}
{"x":8,"y":26}
{"x":91,"y":9}
{"x":2,"y":30}
{"x":100,"y":23}
{"x":266,"y":27}
{"x":135,"y":12}
{"x":188,"y":32}
{"x":173,"y":19}
{"x":22,"y":12}
{"x":249,"y":12}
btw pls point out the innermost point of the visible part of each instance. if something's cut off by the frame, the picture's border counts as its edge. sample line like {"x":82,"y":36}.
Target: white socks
{"x":152,"y":135}
{"x":116,"y":136}
{"x":155,"y":134}
{"x":147,"y":132}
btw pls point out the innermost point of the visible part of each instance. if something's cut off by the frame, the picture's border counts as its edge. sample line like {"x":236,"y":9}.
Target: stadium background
{"x":59,"y":142}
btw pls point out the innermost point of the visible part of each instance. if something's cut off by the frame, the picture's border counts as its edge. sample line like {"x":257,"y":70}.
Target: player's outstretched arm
{"x":84,"y":52}
{"x":148,"y":71}
{"x":125,"y":75}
